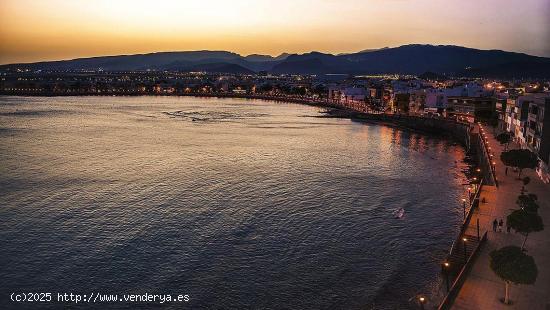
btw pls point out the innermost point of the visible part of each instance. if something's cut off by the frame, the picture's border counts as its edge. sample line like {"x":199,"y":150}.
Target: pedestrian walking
{"x":495,"y":223}
{"x":500,"y":223}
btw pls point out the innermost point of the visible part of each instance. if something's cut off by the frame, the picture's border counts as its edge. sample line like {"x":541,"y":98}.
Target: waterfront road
{"x":482,"y":288}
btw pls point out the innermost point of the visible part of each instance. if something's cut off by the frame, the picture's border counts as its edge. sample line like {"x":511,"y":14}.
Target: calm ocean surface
{"x":241,"y":204}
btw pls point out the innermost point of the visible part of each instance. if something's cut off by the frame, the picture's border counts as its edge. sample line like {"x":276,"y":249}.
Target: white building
{"x":436,"y":99}
{"x":353,"y":94}
{"x":528,"y":120}
{"x":347,"y":94}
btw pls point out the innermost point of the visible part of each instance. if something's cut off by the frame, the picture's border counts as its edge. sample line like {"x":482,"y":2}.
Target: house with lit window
{"x":537,"y":132}
{"x":476,"y":107}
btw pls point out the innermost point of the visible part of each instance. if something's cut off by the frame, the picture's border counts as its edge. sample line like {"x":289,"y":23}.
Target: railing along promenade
{"x":486,"y":161}
{"x":488,"y":158}
{"x":473,"y":203}
{"x":461,"y":277}
{"x":453,"y":261}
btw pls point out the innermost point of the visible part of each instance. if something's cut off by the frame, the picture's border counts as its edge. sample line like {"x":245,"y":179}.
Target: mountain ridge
{"x":411,"y":59}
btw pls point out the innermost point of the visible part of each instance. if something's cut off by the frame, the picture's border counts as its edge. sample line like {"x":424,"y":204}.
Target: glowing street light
{"x":422,"y":301}
{"x":465,"y":256}
{"x":446,"y":266}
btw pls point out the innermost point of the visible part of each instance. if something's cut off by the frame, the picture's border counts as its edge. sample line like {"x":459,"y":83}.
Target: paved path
{"x":483,"y":289}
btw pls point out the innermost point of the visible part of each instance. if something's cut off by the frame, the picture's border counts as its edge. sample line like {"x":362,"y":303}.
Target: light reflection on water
{"x":238,"y":203}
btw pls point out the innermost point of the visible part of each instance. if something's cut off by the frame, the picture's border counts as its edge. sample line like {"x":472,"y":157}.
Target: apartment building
{"x":529,"y":122}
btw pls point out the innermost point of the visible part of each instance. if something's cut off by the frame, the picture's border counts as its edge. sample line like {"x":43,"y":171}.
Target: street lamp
{"x":464,"y":208}
{"x":446,"y":272}
{"x":422,"y":301}
{"x":465,"y":258}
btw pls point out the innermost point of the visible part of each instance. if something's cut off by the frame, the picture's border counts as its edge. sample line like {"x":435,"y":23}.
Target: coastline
{"x":460,"y":132}
{"x":337,"y":109}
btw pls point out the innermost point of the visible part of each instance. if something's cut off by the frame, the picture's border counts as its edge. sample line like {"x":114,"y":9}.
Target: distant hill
{"x":155,"y":61}
{"x":312,"y":63}
{"x":259,"y":58}
{"x":411,"y":59}
{"x":218,"y":68}
{"x":533,"y":69}
{"x":283,"y":56}
{"x":417,"y":59}
{"x":365,"y":50}
{"x":133,"y":62}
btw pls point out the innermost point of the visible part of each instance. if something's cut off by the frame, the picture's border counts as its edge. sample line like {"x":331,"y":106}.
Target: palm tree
{"x":512,"y":265}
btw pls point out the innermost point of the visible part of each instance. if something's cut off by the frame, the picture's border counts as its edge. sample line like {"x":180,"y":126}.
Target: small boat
{"x":399,"y":213}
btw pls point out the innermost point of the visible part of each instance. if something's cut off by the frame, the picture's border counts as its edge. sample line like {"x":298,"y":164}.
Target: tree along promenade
{"x":482,"y":288}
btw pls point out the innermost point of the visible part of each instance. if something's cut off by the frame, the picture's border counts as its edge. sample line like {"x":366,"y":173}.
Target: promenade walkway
{"x":482,"y":288}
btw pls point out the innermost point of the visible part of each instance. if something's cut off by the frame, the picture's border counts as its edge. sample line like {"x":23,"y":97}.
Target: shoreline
{"x":456,"y":131}
{"x":337,"y":109}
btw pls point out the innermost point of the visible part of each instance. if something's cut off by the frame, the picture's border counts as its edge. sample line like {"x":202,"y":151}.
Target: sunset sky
{"x":33,"y":30}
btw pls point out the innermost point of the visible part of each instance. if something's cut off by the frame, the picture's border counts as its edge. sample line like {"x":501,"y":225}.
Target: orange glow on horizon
{"x":61,"y":29}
